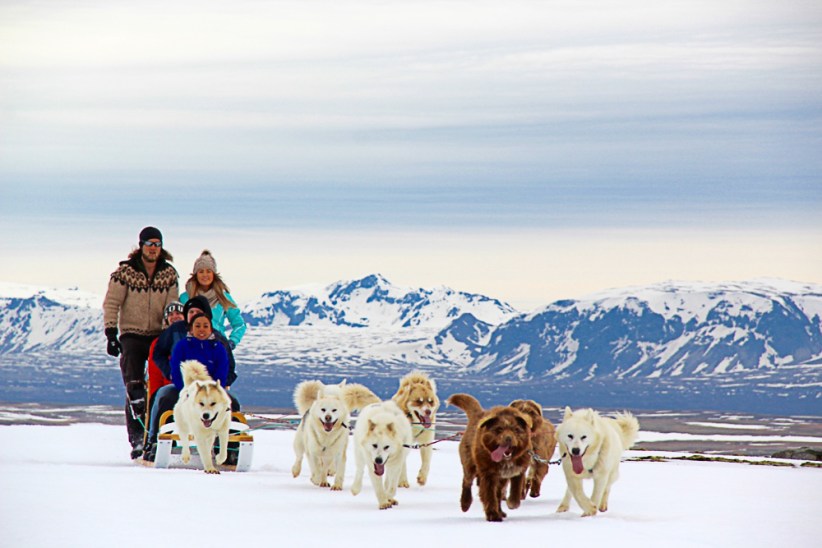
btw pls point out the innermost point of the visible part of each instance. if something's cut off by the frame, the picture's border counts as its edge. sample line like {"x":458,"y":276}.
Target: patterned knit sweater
{"x":136,"y":303}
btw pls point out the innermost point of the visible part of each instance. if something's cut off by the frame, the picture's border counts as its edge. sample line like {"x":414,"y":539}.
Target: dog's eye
{"x":374,"y":446}
{"x":213,"y":403}
{"x":583,"y":438}
{"x":386,"y":447}
{"x":333,"y":410}
{"x":323,"y":409}
{"x":570,"y":436}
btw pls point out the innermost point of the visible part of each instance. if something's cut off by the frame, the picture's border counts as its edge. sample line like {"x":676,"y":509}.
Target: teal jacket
{"x":219,"y":315}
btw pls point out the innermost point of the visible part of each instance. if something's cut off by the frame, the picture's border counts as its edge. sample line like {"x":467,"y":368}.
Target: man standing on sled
{"x":137,"y":295}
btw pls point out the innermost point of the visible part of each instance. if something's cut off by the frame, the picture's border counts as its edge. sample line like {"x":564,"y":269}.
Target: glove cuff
{"x":111,"y":332}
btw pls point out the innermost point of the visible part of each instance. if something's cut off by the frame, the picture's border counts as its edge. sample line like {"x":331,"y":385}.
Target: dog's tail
{"x":467,"y":403}
{"x":193,"y":370}
{"x":357,"y":396}
{"x":628,"y":428}
{"x":305,"y":394}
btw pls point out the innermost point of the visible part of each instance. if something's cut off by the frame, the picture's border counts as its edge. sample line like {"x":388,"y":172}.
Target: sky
{"x":43,"y":470}
{"x":526,"y":150}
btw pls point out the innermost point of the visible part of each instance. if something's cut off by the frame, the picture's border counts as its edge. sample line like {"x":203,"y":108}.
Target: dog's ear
{"x":488,"y":422}
{"x":590,"y":415}
{"x":371,"y":425}
{"x":568,"y":413}
{"x":390,"y":427}
{"x":524,"y":420}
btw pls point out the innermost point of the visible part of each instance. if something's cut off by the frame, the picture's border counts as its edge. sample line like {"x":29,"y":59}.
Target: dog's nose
{"x":206,"y":416}
{"x":378,"y":460}
{"x":575,"y":451}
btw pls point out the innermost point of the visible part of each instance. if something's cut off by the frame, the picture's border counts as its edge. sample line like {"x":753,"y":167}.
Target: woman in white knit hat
{"x":206,"y":281}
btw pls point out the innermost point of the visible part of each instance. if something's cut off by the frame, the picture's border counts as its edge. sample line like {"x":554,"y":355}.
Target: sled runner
{"x":169,"y":444}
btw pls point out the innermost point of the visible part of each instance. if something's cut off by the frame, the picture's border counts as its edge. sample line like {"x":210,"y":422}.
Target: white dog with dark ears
{"x":381,"y":439}
{"x":591,"y":447}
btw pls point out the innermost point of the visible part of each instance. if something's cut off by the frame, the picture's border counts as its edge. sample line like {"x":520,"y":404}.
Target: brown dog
{"x":495,"y":450}
{"x":543,"y":442}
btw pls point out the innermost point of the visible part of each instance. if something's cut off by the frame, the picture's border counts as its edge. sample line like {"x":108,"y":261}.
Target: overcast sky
{"x":527,"y":150}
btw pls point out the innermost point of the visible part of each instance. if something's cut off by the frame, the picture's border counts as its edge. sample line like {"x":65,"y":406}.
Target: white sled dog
{"x":204,"y":412}
{"x":323,"y":432}
{"x":381,"y":439}
{"x":591,"y":447}
{"x":417,"y":398}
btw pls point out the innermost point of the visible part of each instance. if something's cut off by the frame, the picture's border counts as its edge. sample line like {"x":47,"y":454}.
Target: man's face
{"x":201,"y":328}
{"x":151,"y":250}
{"x":193,"y":311}
{"x":175,"y":317}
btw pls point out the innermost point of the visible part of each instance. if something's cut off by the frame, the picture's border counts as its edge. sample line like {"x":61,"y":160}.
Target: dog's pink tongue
{"x":576,"y":463}
{"x":499,"y":453}
{"x":425,"y":420}
{"x":379,"y":468}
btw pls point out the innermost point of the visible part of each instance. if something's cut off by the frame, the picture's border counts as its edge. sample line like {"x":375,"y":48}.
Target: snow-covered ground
{"x":74,"y":486}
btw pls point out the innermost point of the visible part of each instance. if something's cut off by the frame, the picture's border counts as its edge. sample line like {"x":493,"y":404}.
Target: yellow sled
{"x":169,"y":448}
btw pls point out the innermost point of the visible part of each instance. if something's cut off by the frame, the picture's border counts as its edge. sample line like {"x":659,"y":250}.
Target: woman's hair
{"x":219,"y":286}
{"x":165,"y":255}
{"x":199,"y":315}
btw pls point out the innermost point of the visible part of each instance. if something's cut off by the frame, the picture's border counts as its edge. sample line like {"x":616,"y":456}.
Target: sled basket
{"x":169,"y":444}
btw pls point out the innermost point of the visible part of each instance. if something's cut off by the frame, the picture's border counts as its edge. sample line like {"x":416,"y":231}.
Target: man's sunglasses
{"x":153,"y":244}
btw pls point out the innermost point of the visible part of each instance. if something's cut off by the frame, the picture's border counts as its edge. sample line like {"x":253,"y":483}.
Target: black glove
{"x":113,"y":348}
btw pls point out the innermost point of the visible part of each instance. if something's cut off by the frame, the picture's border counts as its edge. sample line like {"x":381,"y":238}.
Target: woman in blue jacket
{"x":206,"y":281}
{"x":203,"y":346}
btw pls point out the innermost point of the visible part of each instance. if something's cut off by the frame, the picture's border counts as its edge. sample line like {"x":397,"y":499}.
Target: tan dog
{"x":204,"y":412}
{"x":495,"y":450}
{"x":323,"y":432}
{"x":417,"y":398}
{"x":543,"y":443}
{"x":592,"y":447}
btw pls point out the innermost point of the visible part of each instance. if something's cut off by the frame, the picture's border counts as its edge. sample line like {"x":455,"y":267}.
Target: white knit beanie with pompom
{"x":205,"y":262}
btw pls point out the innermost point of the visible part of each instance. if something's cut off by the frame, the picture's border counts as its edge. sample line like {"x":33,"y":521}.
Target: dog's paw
{"x":295,"y":470}
{"x":403,"y":484}
{"x":494,"y":516}
{"x":385,"y":505}
{"x":603,"y":507}
{"x":592,"y":511}
{"x":562,"y":508}
{"x":336,"y":487}
{"x":393,"y":502}
{"x":512,"y":504}
{"x":324,"y":484}
{"x":212,"y":471}
{"x":421,"y":479}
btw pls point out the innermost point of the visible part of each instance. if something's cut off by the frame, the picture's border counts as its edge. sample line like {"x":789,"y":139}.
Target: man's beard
{"x":149,"y":259}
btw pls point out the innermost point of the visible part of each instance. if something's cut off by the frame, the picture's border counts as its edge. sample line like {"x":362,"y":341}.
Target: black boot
{"x":150,"y":451}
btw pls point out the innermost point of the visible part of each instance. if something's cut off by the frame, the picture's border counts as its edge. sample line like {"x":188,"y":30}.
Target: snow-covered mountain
{"x":37,"y":318}
{"x":372,"y":301}
{"x":670,"y":330}
{"x":754,"y":346}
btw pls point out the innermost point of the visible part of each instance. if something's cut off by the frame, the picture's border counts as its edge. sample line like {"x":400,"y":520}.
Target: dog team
{"x":505,"y":450}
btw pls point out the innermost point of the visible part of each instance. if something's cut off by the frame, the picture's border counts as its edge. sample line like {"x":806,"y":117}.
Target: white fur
{"x":202,"y":399}
{"x":380,"y":439}
{"x":325,"y":447}
{"x":598,"y":443}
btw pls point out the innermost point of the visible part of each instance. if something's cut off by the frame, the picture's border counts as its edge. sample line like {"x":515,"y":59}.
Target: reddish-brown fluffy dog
{"x":494,"y":449}
{"x":543,"y":442}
